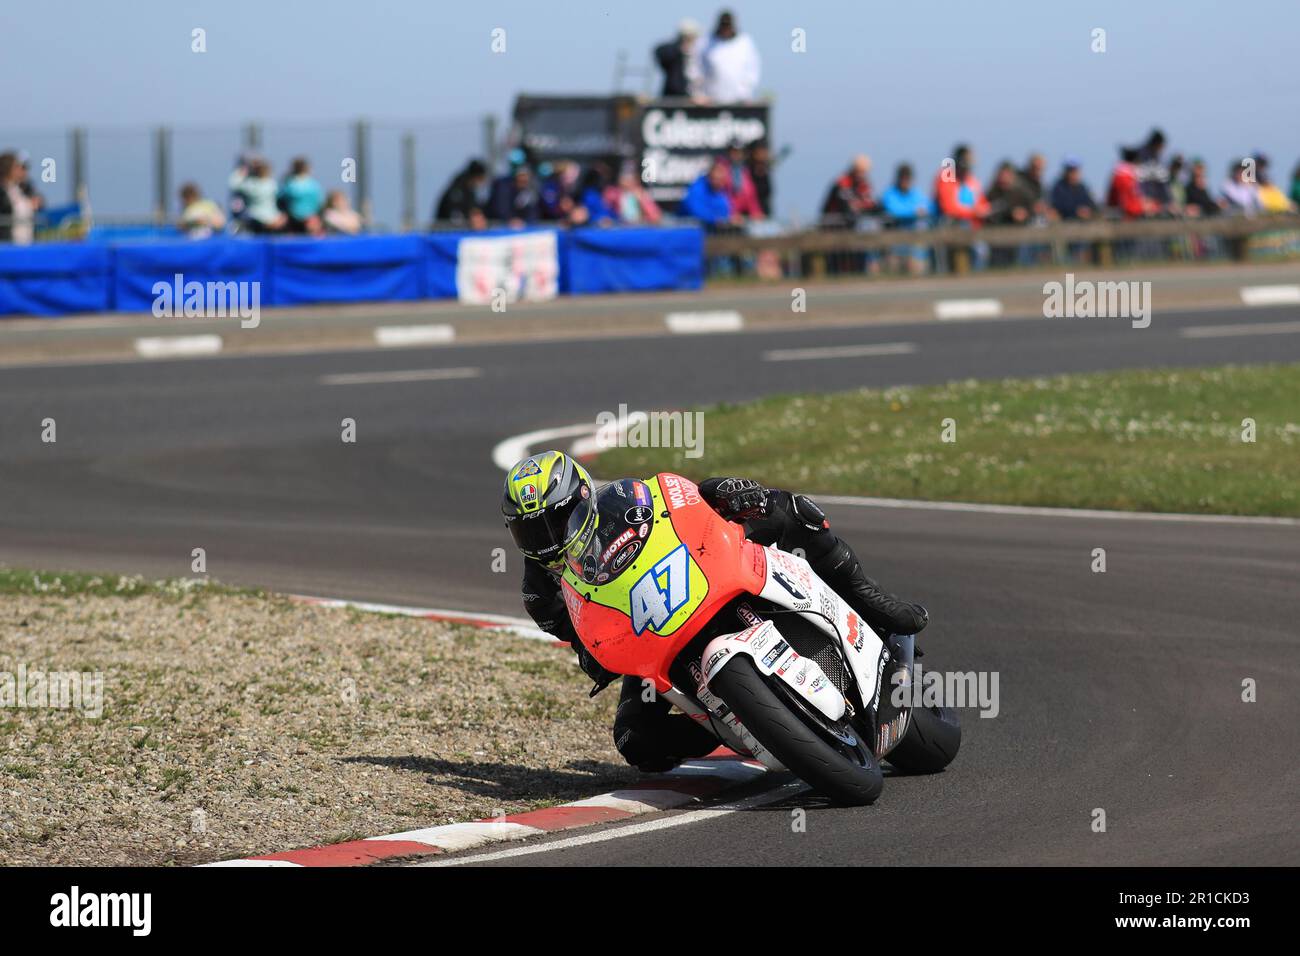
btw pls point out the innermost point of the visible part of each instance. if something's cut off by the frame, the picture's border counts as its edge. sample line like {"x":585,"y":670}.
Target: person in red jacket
{"x":957,"y":193}
{"x":1124,"y":193}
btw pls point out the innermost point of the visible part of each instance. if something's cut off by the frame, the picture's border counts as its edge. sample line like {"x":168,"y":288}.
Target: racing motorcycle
{"x":749,"y":642}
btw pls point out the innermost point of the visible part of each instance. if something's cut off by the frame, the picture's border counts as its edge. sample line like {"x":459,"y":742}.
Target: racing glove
{"x":736,"y":499}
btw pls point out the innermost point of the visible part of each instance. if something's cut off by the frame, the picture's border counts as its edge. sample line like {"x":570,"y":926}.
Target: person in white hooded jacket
{"x":729,"y":63}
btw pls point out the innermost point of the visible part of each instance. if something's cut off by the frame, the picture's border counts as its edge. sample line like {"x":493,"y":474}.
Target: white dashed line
{"x":686,"y":323}
{"x":395,"y":336}
{"x":949,"y":309}
{"x":1271,"y":294}
{"x":838,"y":351}
{"x":414,"y":375}
{"x":1226,"y":331}
{"x":173,"y":346}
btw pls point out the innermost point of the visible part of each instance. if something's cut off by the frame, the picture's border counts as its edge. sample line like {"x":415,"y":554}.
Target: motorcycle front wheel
{"x":837,"y":764}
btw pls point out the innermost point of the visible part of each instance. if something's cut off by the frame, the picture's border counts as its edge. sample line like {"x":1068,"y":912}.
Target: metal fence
{"x":396,"y":168}
{"x":875,"y":248}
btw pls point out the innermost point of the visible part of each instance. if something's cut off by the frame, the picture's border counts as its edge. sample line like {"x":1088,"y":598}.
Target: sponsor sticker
{"x":774,"y":655}
{"x":528,"y":494}
{"x":637,"y":514}
{"x":627,"y":535}
{"x":624,"y":557}
{"x":528,"y":469}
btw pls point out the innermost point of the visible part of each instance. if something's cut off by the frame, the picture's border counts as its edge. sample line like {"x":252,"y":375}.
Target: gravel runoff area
{"x":235,"y":723}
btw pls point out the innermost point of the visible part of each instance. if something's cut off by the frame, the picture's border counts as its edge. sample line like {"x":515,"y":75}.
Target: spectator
{"x":903,"y":202}
{"x":556,"y":192}
{"x":236,"y":202}
{"x":678,"y":59}
{"x":1124,"y":193}
{"x":729,"y":64}
{"x":1152,"y":177}
{"x":302,"y":198}
{"x":1177,"y":187}
{"x":200,"y":217}
{"x":957,"y":193}
{"x":740,"y":189}
{"x":339,"y":218}
{"x":459,"y":204}
{"x":1295,"y":185}
{"x":592,"y":196}
{"x":17,"y":212}
{"x":1071,"y":199}
{"x":257,"y":192}
{"x":1271,"y":199}
{"x":908,"y":207}
{"x":514,"y":198}
{"x":850,"y":196}
{"x":1011,"y":201}
{"x":707,"y":199}
{"x":1241,"y":194}
{"x":630,"y":200}
{"x":760,"y":170}
{"x":1197,"y":196}
{"x":1032,"y":181}
{"x":25,"y":182}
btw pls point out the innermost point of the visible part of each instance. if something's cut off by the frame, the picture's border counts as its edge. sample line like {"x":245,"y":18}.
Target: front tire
{"x":848,"y":778}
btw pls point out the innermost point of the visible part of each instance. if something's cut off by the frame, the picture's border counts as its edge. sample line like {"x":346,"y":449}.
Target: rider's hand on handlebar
{"x":736,"y":499}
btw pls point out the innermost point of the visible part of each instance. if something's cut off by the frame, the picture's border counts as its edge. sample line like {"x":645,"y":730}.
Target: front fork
{"x":893,"y":709}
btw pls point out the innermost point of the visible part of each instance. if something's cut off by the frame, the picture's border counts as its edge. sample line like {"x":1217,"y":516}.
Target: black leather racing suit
{"x":645,"y":732}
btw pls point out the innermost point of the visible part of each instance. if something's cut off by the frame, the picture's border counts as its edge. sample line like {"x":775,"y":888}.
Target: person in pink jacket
{"x":741,"y":189}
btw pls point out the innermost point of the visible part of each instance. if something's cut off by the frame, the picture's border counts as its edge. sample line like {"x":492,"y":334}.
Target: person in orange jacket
{"x":957,"y":193}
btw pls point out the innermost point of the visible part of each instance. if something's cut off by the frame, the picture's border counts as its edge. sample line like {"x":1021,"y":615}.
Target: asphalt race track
{"x":1119,"y":691}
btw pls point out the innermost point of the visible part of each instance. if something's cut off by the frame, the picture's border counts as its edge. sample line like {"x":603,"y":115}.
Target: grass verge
{"x":1145,"y":440}
{"x":236,"y":723}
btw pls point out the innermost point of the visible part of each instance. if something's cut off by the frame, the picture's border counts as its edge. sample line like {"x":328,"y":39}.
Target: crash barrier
{"x":51,"y":279}
{"x":952,"y":248}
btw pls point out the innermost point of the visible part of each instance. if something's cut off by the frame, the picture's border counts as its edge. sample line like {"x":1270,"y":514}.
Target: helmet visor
{"x":543,"y":534}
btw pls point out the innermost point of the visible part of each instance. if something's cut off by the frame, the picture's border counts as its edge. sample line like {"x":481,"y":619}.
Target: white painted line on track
{"x":1050,"y":512}
{"x":517,"y":447}
{"x":838,"y":352}
{"x":413,"y":375}
{"x":686,"y":323}
{"x":519,"y":626}
{"x":1228,"y":331}
{"x":783,"y":792}
{"x":949,"y":309}
{"x":1271,"y":294}
{"x":395,"y":336}
{"x":177,"y":346}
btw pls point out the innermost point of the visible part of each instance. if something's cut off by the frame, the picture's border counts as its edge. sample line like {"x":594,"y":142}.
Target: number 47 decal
{"x":661,"y":591}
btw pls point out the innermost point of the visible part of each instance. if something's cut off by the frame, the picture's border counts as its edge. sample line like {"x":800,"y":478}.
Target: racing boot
{"x":840,"y":568}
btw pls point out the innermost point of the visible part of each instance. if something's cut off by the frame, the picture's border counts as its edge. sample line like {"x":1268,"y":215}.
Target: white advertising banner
{"x":500,"y":269}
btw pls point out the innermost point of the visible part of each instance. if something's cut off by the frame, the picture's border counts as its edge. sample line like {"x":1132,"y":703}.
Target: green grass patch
{"x":1146,"y":440}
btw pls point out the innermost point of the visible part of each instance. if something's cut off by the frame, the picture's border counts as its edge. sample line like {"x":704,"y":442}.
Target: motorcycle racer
{"x":549,"y":507}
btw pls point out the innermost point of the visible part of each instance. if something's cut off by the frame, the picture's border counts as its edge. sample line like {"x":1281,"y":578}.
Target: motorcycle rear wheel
{"x":845,"y":774}
{"x":931,"y":742}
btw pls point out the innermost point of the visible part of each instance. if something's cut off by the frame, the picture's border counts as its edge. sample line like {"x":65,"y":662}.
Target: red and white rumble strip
{"x":693,"y":780}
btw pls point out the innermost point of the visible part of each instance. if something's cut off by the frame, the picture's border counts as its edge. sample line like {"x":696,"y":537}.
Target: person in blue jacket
{"x":707,"y":199}
{"x":908,"y":207}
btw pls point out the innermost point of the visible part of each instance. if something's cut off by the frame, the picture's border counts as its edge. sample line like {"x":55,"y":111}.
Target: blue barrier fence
{"x":54,"y":279}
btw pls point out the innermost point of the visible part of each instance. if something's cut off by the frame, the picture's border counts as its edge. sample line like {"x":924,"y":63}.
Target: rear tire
{"x":785,"y":733}
{"x":931,"y":742}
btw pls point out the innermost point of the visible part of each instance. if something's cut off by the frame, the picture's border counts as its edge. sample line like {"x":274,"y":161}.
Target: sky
{"x":899,"y":81}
